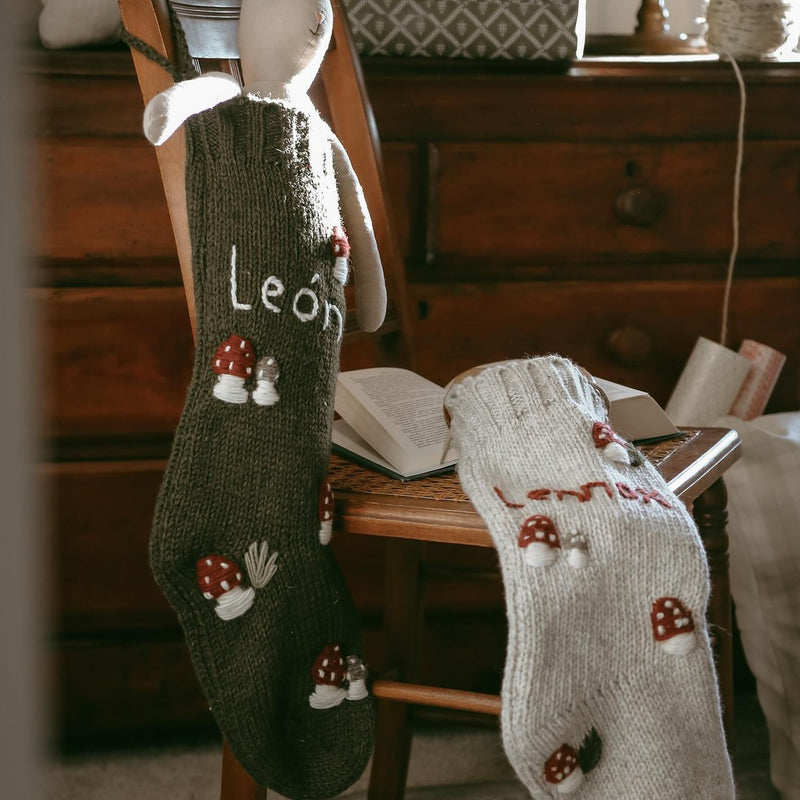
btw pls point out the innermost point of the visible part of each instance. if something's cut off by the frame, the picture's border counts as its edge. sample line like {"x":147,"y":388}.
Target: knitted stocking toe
{"x":609,"y":689}
{"x":244,"y":514}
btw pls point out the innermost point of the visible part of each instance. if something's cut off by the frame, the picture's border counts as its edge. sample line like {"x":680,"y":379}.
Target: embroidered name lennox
{"x":585,"y":493}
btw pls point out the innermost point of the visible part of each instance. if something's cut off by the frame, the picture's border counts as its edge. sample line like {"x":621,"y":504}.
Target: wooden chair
{"x":435,"y":509}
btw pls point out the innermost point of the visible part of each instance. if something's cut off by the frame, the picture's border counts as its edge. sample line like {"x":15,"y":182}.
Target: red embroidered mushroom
{"x":325,"y":512}
{"x":614,"y":448}
{"x":563,"y":771}
{"x":233,"y":363}
{"x":341,"y":252}
{"x":220,"y":579}
{"x":539,"y":538}
{"x":673,"y":626}
{"x":328,"y":673}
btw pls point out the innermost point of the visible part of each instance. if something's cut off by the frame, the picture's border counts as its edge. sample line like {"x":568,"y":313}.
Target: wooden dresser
{"x":585,"y":212}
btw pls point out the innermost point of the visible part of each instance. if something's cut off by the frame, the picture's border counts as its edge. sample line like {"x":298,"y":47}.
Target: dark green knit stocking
{"x":244,"y":514}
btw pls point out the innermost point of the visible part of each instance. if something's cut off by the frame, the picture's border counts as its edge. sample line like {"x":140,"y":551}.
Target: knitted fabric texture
{"x":609,"y":689}
{"x":237,"y":529}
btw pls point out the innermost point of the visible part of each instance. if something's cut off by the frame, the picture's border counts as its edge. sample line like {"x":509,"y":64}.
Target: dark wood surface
{"x":512,"y":246}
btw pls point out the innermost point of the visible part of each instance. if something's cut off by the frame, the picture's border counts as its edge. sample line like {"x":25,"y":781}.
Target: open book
{"x":393,"y":420}
{"x":634,"y":415}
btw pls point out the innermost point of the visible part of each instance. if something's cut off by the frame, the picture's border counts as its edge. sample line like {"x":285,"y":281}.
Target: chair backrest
{"x":341,"y":98}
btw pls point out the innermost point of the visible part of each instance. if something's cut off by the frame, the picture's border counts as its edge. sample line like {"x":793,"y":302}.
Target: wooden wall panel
{"x":462,"y":326}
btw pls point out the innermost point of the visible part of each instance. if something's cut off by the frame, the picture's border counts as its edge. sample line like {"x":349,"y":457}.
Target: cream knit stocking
{"x":609,"y":690}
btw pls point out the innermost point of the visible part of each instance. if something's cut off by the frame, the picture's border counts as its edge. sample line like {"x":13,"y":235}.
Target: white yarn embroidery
{"x":261,"y":566}
{"x":273,"y":287}
{"x":234,"y":294}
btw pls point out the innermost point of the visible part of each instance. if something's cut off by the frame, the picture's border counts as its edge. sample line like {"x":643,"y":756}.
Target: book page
{"x":634,"y":414}
{"x":410,"y":404}
{"x":398,"y":412}
{"x":347,"y":442}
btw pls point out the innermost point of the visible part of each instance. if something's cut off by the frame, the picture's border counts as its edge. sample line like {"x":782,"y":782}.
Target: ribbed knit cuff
{"x":515,"y":395}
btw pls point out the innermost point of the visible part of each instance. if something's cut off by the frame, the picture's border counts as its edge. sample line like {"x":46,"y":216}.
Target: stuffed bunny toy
{"x":244,"y":516}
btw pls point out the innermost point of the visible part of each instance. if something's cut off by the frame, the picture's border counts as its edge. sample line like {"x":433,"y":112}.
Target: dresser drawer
{"x":101,"y":198}
{"x":636,"y":333}
{"x":101,"y":515}
{"x":525,"y":203}
{"x":114,"y":362}
{"x":125,"y":687}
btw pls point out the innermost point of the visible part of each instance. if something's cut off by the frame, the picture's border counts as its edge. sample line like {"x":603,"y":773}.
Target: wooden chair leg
{"x":711,"y":514}
{"x":237,"y":782}
{"x":402,"y":617}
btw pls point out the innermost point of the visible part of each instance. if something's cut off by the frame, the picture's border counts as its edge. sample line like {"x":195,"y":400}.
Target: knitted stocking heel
{"x":609,"y":689}
{"x":244,"y":513}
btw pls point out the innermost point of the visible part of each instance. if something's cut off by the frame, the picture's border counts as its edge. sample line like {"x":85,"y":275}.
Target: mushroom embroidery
{"x":233,"y":364}
{"x":328,"y":673}
{"x":267,"y":372}
{"x":220,"y":579}
{"x":613,"y":448}
{"x":357,"y":679}
{"x":325,"y":512}
{"x":673,"y":626}
{"x":577,"y":550}
{"x":565,"y":769}
{"x":341,"y":252}
{"x":540,"y":541}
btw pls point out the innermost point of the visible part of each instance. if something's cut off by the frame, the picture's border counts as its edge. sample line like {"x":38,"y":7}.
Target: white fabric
{"x":168,"y":110}
{"x":72,"y":23}
{"x":764,"y":529}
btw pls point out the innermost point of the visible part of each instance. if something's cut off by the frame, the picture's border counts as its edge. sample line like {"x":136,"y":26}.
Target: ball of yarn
{"x":749,"y":29}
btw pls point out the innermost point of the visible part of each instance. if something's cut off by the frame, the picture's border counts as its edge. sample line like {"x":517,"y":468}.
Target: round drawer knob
{"x":629,"y":347}
{"x":638,"y":206}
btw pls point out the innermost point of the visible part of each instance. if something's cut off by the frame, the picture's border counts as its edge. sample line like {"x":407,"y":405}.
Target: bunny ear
{"x":167,"y":111}
{"x":369,"y":282}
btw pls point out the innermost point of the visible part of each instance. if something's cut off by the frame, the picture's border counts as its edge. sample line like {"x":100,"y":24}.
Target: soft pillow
{"x":72,"y":23}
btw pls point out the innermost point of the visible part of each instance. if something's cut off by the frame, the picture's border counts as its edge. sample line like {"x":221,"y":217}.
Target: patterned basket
{"x":553,"y":30}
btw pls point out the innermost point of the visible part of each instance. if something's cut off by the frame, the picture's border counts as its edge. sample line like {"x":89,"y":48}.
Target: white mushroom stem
{"x":357,"y":690}
{"x":617,"y":453}
{"x":230,"y":389}
{"x":234,"y":602}
{"x":538,"y":554}
{"x":571,"y":782}
{"x":679,"y":645}
{"x":577,"y":557}
{"x":265,"y":393}
{"x":340,"y":269}
{"x":327,"y":696}
{"x":325,"y":531}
